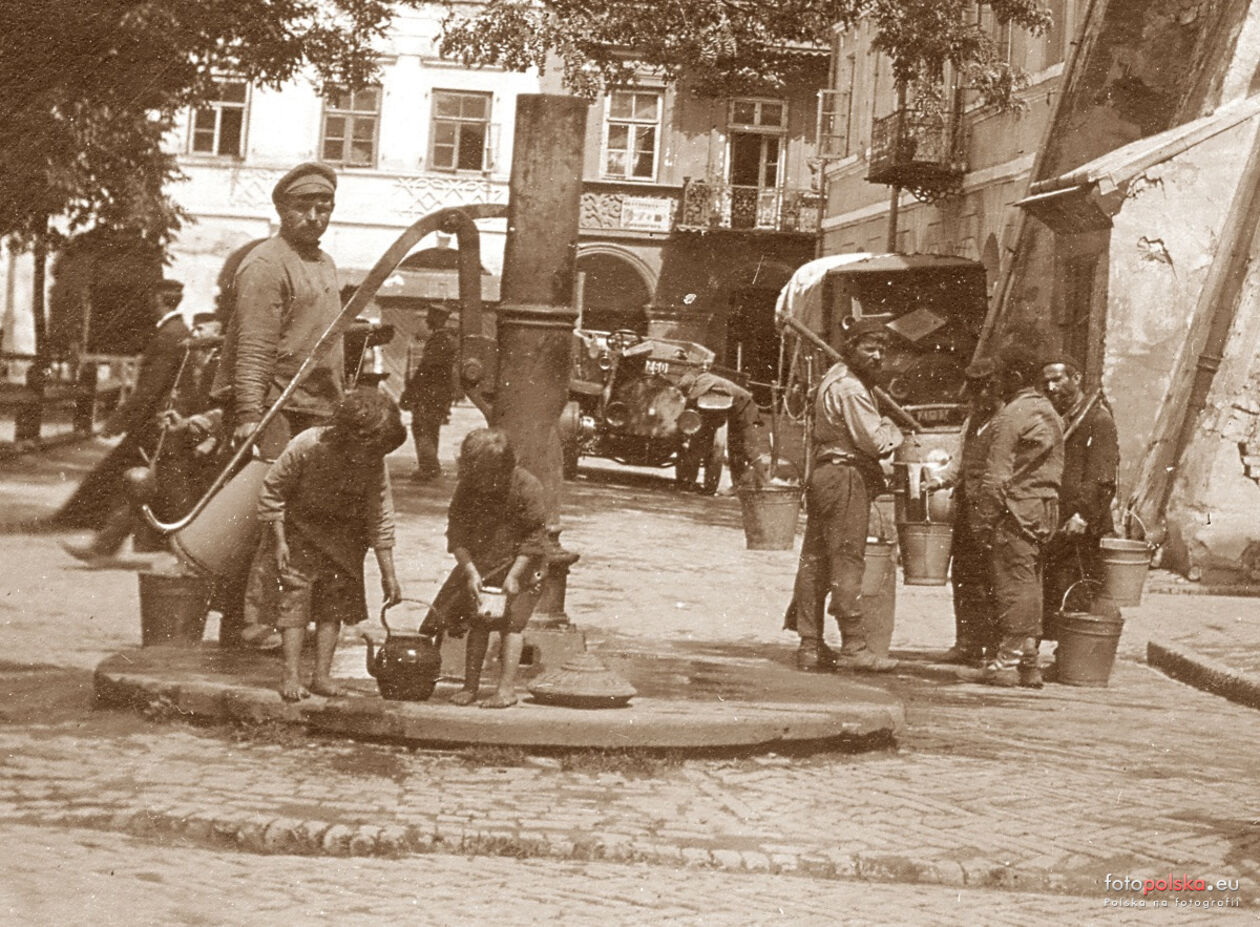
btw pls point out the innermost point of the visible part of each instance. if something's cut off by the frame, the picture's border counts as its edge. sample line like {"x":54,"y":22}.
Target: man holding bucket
{"x":285,"y":296}
{"x":1017,"y":511}
{"x":1091,"y":457}
{"x":849,"y":439}
{"x":975,"y":627}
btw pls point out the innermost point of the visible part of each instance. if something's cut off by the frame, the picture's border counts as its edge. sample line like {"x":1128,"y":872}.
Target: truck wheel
{"x":713,"y":462}
{"x":569,"y":451}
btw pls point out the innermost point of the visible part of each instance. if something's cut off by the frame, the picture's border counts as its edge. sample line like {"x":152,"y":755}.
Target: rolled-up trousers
{"x":833,"y":554}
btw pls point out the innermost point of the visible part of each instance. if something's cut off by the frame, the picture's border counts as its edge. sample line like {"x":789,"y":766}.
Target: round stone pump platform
{"x":690,"y":697}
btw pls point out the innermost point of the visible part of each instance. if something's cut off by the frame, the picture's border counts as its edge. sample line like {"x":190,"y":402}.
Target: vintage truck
{"x":629,"y":402}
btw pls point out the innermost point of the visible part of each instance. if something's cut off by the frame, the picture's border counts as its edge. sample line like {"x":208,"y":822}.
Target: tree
{"x":90,"y":89}
{"x":724,"y":47}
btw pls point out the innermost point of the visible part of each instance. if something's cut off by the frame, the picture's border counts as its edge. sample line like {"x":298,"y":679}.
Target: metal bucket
{"x":1125,"y":564}
{"x":222,"y":539}
{"x":173,"y":608}
{"x":1087,"y":641}
{"x":770,"y":516}
{"x":879,"y":595}
{"x":925,"y":550}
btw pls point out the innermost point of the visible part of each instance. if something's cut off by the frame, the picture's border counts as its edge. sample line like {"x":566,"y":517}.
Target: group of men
{"x":1034,"y":479}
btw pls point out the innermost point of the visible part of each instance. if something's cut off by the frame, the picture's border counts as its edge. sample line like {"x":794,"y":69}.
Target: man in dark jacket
{"x":1017,"y":511}
{"x":429,"y":392}
{"x":136,"y":418}
{"x":1091,"y":457}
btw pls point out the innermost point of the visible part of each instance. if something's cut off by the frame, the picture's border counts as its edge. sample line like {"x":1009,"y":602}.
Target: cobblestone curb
{"x":1204,"y":673}
{"x":262,"y":834}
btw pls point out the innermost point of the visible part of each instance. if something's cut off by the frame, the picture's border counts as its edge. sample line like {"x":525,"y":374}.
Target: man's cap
{"x":309,"y":178}
{"x":866,"y":326}
{"x":204,"y":318}
{"x":1067,"y":360}
{"x":167,"y":284}
{"x":980,"y":369}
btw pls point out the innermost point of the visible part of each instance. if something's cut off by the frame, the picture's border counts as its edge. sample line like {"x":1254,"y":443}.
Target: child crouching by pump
{"x":496,"y":529}
{"x":324,"y":502}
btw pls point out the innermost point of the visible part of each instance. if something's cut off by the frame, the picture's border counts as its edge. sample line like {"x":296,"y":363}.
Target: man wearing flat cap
{"x":975,"y":618}
{"x":850,"y":438}
{"x":286,"y":295}
{"x":1091,"y":457}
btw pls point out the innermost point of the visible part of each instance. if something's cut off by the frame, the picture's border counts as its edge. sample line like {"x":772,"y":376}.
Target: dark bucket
{"x":770,"y":516}
{"x":1087,"y":648}
{"x":173,"y":608}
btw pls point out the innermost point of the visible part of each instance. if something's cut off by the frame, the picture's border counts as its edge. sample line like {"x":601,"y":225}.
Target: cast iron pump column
{"x":537,"y":315}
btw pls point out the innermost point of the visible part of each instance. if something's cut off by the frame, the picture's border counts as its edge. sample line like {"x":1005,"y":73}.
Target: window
{"x":756,"y":138}
{"x":632,"y":135}
{"x":461,"y":131}
{"x":219,"y":128}
{"x":350,"y":121}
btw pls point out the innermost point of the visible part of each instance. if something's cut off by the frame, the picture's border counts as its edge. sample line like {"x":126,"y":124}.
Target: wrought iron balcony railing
{"x":923,"y":153}
{"x":708,"y":205}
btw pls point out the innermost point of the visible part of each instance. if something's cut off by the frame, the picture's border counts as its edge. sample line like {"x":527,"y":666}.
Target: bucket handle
{"x":1068,"y":591}
{"x":1131,"y":514}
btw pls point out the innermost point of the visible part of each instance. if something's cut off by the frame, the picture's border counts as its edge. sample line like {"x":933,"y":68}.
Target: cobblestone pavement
{"x":74,"y":877}
{"x":1012,"y":789}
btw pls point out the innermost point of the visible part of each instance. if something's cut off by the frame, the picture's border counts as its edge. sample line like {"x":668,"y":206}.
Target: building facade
{"x":695,"y":210}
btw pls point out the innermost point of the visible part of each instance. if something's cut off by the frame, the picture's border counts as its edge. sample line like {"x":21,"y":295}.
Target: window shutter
{"x":832,"y":124}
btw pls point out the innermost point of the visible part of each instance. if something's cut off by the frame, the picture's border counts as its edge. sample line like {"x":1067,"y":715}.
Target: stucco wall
{"x":1163,"y":241}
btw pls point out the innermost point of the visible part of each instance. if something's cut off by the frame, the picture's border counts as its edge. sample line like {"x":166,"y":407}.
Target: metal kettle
{"x":405,"y":666}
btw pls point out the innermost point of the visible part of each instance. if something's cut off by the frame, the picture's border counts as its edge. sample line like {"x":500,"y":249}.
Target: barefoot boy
{"x":325,"y":501}
{"x":496,"y":530}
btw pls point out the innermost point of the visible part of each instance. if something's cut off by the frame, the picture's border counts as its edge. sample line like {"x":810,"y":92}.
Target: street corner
{"x":682,"y":704}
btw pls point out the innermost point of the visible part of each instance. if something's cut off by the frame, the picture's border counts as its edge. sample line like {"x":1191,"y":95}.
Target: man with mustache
{"x":850,"y":438}
{"x":286,"y":295}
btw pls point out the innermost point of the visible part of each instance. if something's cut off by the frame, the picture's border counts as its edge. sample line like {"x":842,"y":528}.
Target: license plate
{"x":659,"y":367}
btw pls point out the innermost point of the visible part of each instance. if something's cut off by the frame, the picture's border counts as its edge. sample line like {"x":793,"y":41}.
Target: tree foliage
{"x":725,"y":47}
{"x":91,"y":87}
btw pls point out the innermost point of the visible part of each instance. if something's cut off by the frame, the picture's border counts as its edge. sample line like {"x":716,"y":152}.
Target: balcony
{"x":919,"y":152}
{"x":707,"y":206}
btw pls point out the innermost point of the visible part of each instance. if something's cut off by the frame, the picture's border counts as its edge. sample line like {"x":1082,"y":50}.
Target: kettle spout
{"x":370,"y":654}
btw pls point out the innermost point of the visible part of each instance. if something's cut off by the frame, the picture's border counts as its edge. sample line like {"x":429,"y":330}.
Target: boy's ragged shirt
{"x":342,"y":508}
{"x":494,"y":530}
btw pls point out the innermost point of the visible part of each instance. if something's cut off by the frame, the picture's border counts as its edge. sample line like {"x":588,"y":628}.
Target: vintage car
{"x":629,"y":402}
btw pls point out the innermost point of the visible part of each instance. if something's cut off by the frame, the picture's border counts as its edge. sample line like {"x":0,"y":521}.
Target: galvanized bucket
{"x":1087,"y":641}
{"x":770,"y":516}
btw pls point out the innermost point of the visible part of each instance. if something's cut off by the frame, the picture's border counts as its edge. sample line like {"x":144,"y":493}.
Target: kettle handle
{"x":384,"y":609}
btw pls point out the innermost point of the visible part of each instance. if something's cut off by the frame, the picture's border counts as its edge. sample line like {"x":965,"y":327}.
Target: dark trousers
{"x":975,"y":618}
{"x":1016,"y":565}
{"x":833,"y":554}
{"x":426,"y":428}
{"x":746,"y":435}
{"x":1069,"y":560}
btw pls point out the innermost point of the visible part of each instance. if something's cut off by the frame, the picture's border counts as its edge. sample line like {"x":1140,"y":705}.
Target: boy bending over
{"x":325,"y":501}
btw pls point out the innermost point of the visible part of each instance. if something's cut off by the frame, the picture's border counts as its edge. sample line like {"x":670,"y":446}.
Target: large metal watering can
{"x":221,"y":531}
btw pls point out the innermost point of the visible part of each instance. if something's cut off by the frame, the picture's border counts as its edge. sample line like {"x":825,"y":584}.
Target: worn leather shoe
{"x":865,"y":661}
{"x":815,"y":658}
{"x":995,"y":674}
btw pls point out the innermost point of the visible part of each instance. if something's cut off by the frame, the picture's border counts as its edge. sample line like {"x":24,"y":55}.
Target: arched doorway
{"x":617,"y":288}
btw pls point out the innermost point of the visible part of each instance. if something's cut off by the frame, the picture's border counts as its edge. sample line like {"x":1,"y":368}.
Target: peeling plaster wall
{"x":1162,"y":243}
{"x":1214,"y":514}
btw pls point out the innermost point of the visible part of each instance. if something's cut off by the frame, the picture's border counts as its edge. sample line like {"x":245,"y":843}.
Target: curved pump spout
{"x":370,"y":655}
{"x":461,"y":220}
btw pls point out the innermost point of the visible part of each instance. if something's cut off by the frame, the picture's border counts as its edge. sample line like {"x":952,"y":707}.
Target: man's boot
{"x":814,"y":656}
{"x":1003,"y":670}
{"x":1029,"y":666}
